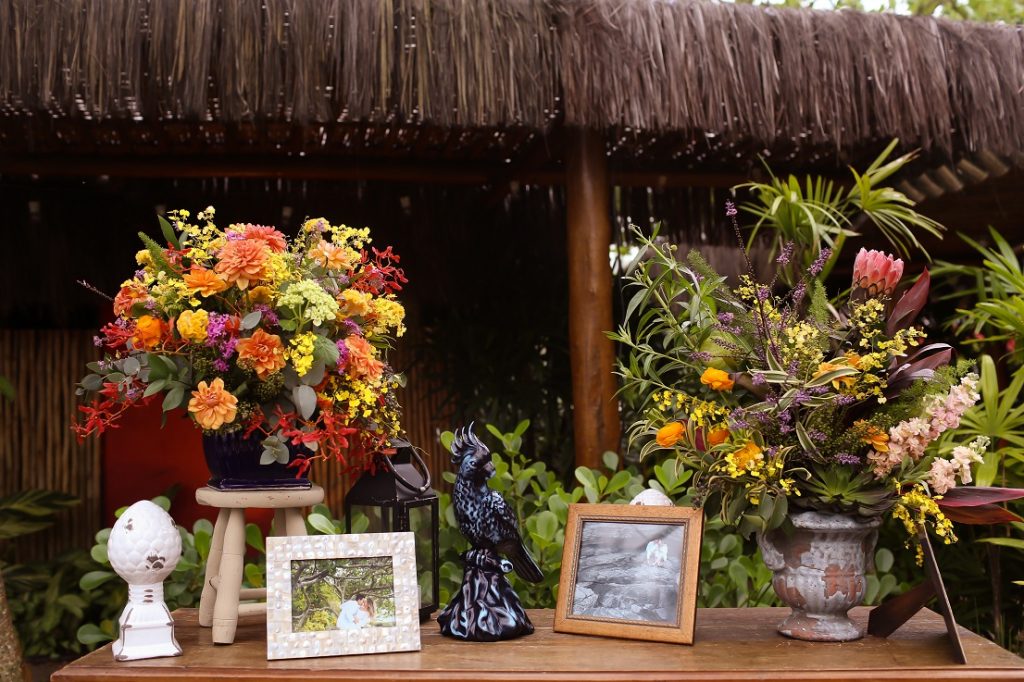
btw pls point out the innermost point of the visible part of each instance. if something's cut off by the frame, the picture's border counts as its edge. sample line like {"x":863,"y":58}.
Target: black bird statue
{"x":486,"y":608}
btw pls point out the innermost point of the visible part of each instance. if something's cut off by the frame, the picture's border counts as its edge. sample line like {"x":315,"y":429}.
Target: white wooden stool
{"x":222,"y":589}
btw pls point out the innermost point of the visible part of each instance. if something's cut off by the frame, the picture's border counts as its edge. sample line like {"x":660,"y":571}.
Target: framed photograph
{"x":630,"y":571}
{"x":335,"y":595}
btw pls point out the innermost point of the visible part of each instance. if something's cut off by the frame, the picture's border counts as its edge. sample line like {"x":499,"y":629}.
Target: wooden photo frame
{"x":630,"y":571}
{"x":334,"y":595}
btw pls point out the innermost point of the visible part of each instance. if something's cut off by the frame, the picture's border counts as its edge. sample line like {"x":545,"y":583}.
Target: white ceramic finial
{"x":144,"y":547}
{"x":652,"y":498}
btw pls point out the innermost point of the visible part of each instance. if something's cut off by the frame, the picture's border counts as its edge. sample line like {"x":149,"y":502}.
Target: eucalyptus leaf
{"x":251,"y":320}
{"x":305,"y":399}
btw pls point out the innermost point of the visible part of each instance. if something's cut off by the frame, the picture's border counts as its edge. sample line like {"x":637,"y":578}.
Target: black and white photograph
{"x":343,"y":594}
{"x":629,"y":571}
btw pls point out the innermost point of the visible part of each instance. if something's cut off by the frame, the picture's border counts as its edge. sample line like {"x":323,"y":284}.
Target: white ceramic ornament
{"x":652,"y":498}
{"x":144,"y":547}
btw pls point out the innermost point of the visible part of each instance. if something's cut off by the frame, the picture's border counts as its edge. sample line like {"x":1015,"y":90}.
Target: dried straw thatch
{"x":752,"y":75}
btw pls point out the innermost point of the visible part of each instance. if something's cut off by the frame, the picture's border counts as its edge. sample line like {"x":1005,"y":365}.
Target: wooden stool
{"x":222,"y":589}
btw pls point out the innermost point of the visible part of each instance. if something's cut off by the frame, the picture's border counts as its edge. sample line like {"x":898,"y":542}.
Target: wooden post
{"x":592,"y":356}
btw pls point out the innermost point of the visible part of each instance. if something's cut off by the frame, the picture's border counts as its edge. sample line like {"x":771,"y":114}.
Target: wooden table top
{"x":731,"y":644}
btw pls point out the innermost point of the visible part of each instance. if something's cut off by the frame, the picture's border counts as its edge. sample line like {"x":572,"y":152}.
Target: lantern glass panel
{"x":380,"y":518}
{"x":421,"y":523}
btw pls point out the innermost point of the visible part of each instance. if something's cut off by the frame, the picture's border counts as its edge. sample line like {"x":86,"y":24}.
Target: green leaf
{"x":1004,"y":542}
{"x":168,"y":232}
{"x":154,"y":387}
{"x":251,"y":320}
{"x":325,"y":350}
{"x":547,"y":525}
{"x":93,"y":579}
{"x":611,"y":460}
{"x":254,"y":537}
{"x":883,"y":560}
{"x":99,"y":554}
{"x":174,"y":397}
{"x":447,"y":438}
{"x":322,"y":524}
{"x":305,"y":399}
{"x":91,"y":635}
{"x":163,"y":502}
{"x":254,"y":575}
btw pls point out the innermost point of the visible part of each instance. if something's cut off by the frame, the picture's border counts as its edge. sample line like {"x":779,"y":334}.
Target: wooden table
{"x":731,"y":644}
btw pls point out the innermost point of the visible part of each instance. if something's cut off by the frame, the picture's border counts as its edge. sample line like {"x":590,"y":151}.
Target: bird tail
{"x":524,"y":565}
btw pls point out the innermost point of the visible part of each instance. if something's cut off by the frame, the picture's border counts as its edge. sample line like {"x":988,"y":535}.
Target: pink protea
{"x":876,"y":272}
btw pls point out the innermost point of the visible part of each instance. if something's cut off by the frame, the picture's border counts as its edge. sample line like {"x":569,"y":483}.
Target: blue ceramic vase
{"x":234,"y":464}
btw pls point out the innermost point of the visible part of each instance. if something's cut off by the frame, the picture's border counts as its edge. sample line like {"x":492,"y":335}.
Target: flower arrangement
{"x":780,"y":399}
{"x":248,"y":331}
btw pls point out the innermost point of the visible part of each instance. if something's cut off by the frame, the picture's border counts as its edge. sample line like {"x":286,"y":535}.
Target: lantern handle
{"x":422,"y":466}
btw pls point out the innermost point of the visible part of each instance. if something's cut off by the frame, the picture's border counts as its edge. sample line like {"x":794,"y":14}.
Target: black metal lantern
{"x":397,"y":497}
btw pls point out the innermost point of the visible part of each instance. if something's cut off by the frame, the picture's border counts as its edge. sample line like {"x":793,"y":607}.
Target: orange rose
{"x":212,"y":406}
{"x":669,"y":434}
{"x":261,"y":352}
{"x":242,"y":261}
{"x":148,"y":332}
{"x":717,"y":437}
{"x":362,"y":359}
{"x":204,"y":281}
{"x":716,"y":379}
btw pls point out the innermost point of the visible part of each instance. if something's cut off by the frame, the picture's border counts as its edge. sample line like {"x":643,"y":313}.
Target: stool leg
{"x":294,"y":523}
{"x":280,"y":523}
{"x":209,"y":596}
{"x":225,"y":611}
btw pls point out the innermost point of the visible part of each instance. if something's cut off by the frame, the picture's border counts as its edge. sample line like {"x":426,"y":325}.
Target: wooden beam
{"x":596,"y":424}
{"x":341,"y":169}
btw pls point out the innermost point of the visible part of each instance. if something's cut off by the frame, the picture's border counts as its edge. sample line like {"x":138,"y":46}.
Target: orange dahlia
{"x":212,"y":406}
{"x":268,"y":235}
{"x":362,"y":358}
{"x":717,"y":436}
{"x":204,"y":281}
{"x":242,"y":261}
{"x":331,"y":256}
{"x":261,"y":352}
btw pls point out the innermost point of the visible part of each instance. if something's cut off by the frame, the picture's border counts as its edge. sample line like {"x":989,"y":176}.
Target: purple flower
{"x":269,"y":316}
{"x":819,"y":263}
{"x":726,"y":318}
{"x":786,"y":254}
{"x":700,"y":356}
{"x":819,"y":436}
{"x":221,"y":365}
{"x":757,"y":379}
{"x":730,"y":208}
{"x":762,"y":293}
{"x":847,"y":458}
{"x":97,"y":341}
{"x":342,"y":354}
{"x":352,"y":327}
{"x":845,"y":399}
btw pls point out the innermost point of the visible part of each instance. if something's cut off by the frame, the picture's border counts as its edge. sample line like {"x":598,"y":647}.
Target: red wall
{"x":141,"y":461}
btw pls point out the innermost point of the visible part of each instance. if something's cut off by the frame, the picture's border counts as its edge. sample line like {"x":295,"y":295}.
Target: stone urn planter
{"x":820,"y":572}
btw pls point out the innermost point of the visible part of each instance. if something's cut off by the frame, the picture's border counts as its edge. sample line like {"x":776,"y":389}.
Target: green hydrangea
{"x":310,"y":302}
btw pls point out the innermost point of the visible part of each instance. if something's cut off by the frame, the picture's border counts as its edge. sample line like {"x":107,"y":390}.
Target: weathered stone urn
{"x":820,"y":572}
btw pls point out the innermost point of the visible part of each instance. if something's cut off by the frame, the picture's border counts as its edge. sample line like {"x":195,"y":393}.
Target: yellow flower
{"x":840,"y":382}
{"x":745,"y":459}
{"x":355,"y":303}
{"x":192,"y":325}
{"x":260,"y":294}
{"x":212,"y":406}
{"x":144,"y":258}
{"x":716,"y":379}
{"x":669,"y":434}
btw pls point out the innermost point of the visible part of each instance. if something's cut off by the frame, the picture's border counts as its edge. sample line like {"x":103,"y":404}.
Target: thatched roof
{"x":757,"y":77}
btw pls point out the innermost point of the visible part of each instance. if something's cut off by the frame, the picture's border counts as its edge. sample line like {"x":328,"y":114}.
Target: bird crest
{"x":465,"y":443}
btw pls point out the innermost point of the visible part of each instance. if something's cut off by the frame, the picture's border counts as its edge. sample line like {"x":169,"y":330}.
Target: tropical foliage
{"x":248,"y":331}
{"x":809,"y":215}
